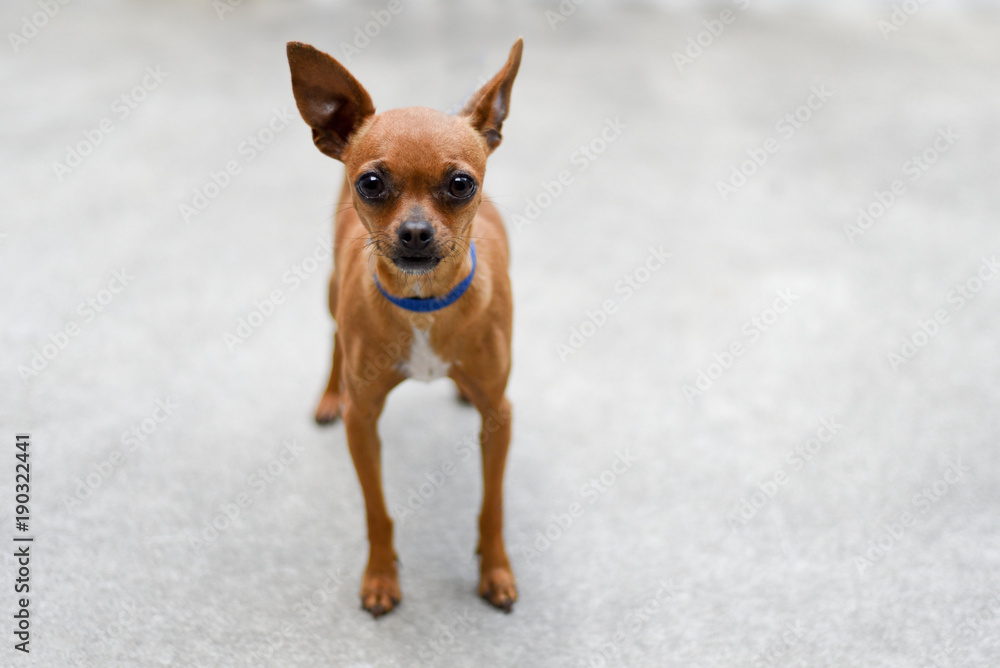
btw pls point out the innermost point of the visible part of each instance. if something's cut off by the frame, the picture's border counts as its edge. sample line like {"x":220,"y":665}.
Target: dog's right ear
{"x":331,"y":101}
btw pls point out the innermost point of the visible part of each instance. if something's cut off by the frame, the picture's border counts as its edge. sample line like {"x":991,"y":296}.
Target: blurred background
{"x":755,"y":362}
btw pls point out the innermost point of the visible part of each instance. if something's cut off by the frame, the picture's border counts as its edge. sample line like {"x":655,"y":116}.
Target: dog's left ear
{"x":487,"y":108}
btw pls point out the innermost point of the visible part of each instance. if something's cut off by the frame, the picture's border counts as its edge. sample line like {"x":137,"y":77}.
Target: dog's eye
{"x":370,"y":186}
{"x":461,"y":186}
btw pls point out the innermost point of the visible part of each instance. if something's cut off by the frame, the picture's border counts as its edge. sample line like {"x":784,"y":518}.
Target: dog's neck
{"x":438,"y":282}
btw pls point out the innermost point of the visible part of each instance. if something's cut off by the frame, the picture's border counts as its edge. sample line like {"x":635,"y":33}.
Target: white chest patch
{"x":423,"y":364}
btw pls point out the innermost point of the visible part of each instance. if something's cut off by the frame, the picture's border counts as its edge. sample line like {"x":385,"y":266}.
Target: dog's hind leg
{"x":330,"y":404}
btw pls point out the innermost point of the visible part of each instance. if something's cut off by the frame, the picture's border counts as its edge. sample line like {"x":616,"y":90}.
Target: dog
{"x":420,"y":287}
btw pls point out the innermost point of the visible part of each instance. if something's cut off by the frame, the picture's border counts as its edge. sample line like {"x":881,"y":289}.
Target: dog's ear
{"x":487,"y":108}
{"x":331,"y":101}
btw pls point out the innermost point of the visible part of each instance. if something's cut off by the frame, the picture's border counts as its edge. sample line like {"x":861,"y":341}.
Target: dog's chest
{"x":423,"y":362}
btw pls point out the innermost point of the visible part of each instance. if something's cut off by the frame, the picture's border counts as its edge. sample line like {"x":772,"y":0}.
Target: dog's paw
{"x":329,"y":408}
{"x":498,"y":588}
{"x":380,"y":593}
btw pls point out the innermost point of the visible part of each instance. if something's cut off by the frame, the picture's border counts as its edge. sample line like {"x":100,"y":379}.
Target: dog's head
{"x":415,"y":173}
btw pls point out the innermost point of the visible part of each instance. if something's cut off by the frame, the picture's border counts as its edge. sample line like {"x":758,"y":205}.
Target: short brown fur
{"x":414,"y":150}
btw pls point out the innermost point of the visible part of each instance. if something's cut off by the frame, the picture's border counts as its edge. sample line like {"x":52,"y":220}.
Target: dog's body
{"x":420,"y":286}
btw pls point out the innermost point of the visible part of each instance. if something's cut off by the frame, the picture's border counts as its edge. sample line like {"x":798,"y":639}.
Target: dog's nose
{"x":416,"y":235}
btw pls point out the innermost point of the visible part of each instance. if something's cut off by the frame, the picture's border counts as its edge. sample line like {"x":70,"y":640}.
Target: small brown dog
{"x":419,"y":287}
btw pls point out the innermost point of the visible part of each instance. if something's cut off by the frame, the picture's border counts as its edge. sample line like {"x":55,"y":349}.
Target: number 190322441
{"x":22,"y":483}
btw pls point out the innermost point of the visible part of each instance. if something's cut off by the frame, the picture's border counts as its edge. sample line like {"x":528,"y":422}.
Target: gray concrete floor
{"x":755,"y":479}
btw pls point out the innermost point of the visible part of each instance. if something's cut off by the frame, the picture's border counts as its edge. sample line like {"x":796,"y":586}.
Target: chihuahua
{"x":420,"y":287}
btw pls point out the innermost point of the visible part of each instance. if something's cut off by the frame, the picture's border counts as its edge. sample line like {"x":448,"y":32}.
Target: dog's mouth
{"x":416,"y":264}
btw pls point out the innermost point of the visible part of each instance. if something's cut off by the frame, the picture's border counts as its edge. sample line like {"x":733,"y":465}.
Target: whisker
{"x":499,"y":206}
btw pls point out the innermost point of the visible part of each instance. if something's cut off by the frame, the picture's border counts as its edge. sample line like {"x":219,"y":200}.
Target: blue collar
{"x":427,"y":304}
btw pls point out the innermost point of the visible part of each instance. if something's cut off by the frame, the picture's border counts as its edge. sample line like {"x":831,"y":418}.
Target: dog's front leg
{"x":380,"y":585}
{"x":496,"y":583}
{"x":485,"y":387}
{"x":496,"y":580}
